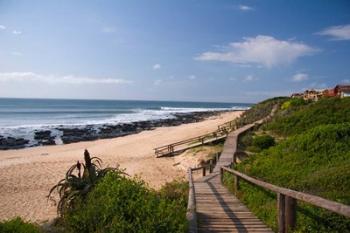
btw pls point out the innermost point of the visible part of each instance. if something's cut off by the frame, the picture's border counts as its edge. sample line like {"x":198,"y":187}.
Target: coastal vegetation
{"x":311,"y":154}
{"x":108,"y":200}
{"x":17,"y":225}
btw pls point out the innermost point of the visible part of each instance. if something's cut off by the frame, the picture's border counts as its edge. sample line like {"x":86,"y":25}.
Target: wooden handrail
{"x":186,"y":140}
{"x":191,"y":205}
{"x":286,"y":200}
{"x":312,"y":199}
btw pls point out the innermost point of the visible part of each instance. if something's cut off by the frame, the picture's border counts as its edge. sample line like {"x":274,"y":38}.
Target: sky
{"x":184,"y":50}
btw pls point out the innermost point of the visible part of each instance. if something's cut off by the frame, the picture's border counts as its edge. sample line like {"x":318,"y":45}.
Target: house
{"x":329,"y":92}
{"x":313,"y":95}
{"x":297,"y":95}
{"x":342,"y":90}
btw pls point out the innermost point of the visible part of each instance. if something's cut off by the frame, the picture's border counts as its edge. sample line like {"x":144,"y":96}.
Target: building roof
{"x":343,"y":88}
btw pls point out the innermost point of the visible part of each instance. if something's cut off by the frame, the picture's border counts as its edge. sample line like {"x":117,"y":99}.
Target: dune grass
{"x":314,"y":158}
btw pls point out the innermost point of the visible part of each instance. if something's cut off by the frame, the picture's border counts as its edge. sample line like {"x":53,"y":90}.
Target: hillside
{"x":311,"y":154}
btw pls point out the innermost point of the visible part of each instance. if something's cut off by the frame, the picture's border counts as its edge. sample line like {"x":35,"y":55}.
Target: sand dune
{"x":26,"y":175}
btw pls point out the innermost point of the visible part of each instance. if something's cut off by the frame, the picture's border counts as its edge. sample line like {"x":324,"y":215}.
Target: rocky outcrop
{"x":7,"y":143}
{"x":93,"y":132}
{"x":44,"y":137}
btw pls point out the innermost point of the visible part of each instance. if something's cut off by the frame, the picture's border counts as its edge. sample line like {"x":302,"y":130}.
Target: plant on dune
{"x":79,"y":180}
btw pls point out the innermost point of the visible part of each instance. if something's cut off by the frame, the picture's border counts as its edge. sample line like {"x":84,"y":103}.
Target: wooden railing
{"x":170,"y":148}
{"x":191,"y":206}
{"x":228,"y":126}
{"x":287,"y":200}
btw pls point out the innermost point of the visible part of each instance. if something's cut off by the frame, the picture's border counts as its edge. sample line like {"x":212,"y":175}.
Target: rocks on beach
{"x":90,"y":132}
{"x":7,"y":143}
{"x":44,"y":137}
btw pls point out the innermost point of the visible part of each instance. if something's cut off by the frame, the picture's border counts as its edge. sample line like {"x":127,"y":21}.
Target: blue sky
{"x":231,"y":51}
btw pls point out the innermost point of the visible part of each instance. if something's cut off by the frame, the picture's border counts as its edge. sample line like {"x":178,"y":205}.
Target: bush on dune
{"x":259,"y":111}
{"x":17,"y":225}
{"x":299,"y":118}
{"x":93,"y":199}
{"x":316,"y":162}
{"x":121,"y":204}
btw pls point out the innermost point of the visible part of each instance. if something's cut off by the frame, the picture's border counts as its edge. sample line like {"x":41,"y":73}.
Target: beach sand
{"x":27,"y":175}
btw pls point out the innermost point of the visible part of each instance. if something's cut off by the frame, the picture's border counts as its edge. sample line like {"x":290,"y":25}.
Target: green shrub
{"x":317,"y":162}
{"x":259,"y":111}
{"x":17,"y":225}
{"x":176,"y":190}
{"x":293,"y":103}
{"x":263,"y":142}
{"x":121,"y":204}
{"x":299,"y":118}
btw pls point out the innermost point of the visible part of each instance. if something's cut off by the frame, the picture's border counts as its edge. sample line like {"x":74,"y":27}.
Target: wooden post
{"x":204,"y":171}
{"x":236,"y":184}
{"x":221,"y":175}
{"x":211,"y":166}
{"x":290,"y":214}
{"x":281,"y":209}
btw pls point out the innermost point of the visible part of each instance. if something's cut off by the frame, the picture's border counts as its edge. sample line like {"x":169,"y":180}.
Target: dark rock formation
{"x":12,"y":143}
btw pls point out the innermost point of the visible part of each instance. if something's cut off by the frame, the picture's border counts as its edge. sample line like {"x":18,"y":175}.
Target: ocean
{"x":21,"y":117}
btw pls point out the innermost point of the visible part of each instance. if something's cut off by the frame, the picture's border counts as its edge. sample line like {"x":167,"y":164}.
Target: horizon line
{"x":186,"y":101}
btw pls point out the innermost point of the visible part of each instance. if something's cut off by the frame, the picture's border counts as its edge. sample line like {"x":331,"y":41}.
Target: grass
{"x":17,"y":225}
{"x":312,"y":156}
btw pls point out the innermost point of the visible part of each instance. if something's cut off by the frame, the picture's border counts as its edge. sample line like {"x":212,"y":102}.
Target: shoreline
{"x":66,"y":134}
{"x":26,"y":175}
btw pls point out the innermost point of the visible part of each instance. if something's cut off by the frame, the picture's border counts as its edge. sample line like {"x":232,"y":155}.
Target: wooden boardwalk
{"x":217,"y":210}
{"x":180,"y":146}
{"x":212,"y":208}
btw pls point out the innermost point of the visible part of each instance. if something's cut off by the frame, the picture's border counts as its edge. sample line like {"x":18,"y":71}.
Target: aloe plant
{"x":79,"y":180}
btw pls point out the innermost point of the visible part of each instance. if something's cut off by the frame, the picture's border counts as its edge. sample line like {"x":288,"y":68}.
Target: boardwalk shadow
{"x":225,"y":206}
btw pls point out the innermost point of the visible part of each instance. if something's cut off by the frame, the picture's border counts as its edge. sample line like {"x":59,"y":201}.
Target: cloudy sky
{"x":193,"y":50}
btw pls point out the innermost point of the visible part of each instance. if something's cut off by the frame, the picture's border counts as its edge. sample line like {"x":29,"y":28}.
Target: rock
{"x":12,"y":143}
{"x":44,"y":137}
{"x":71,"y":135}
{"x":43,"y":134}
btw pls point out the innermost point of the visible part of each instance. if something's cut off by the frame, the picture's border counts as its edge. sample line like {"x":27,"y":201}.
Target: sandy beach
{"x":26,"y":175}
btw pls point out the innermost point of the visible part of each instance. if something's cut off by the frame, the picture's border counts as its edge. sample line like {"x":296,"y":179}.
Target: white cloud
{"x":299,"y":77}
{"x":2,"y":27}
{"x":347,"y":81}
{"x":156,"y":66}
{"x":16,"y":53}
{"x":341,"y":32}
{"x":54,"y":79}
{"x":245,"y":8}
{"x":16,"y":32}
{"x":108,"y":29}
{"x":260,"y":50}
{"x":192,"y":77}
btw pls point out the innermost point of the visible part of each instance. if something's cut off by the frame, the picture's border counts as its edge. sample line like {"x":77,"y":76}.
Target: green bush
{"x":263,"y":142}
{"x":17,"y":225}
{"x":293,"y":103}
{"x":299,"y":118}
{"x":317,"y":162}
{"x":176,"y":190}
{"x":121,"y":204}
{"x":259,"y":111}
